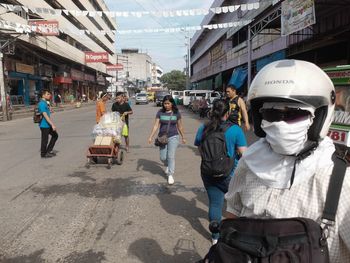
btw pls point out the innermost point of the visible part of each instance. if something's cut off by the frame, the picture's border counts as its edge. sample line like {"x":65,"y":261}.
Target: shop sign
{"x":24,"y":68}
{"x":115,"y":67}
{"x":93,"y":57}
{"x":76,"y":74}
{"x":45,"y":27}
{"x":89,"y":77}
{"x":297,"y":15}
{"x":62,"y":80}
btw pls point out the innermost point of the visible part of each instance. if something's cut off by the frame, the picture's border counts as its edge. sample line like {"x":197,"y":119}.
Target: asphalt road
{"x":57,"y":210}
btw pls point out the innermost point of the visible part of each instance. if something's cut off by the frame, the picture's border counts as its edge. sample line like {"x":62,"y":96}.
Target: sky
{"x":166,"y":49}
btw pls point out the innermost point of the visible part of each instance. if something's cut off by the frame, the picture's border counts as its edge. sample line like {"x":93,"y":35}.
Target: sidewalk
{"x":28,"y":111}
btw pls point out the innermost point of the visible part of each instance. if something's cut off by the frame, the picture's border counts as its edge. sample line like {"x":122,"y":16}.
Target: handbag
{"x":163,"y":140}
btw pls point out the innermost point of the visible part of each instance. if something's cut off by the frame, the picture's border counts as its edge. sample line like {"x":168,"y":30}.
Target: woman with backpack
{"x":219,"y":141}
{"x":169,"y":122}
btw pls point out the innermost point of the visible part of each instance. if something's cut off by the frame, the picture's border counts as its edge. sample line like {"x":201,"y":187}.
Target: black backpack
{"x":37,"y":116}
{"x":284,"y":240}
{"x":215,"y":161}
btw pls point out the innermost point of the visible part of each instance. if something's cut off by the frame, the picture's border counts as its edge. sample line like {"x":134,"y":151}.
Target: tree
{"x":174,"y":80}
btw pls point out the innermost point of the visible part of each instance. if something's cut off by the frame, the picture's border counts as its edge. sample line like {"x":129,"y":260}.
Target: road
{"x":57,"y":210}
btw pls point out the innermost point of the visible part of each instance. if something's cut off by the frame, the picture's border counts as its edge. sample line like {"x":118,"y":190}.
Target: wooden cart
{"x":113,"y":153}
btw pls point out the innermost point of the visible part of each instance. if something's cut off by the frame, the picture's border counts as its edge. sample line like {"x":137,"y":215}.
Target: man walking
{"x":101,"y":106}
{"x":237,"y":108}
{"x":46,"y":125}
{"x":124,"y":109}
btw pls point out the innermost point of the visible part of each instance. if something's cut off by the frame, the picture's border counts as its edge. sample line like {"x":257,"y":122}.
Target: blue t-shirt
{"x":43,"y":107}
{"x":164,"y":118}
{"x":234,"y":138}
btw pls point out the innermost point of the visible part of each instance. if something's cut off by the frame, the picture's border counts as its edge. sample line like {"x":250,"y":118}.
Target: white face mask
{"x":286,"y":138}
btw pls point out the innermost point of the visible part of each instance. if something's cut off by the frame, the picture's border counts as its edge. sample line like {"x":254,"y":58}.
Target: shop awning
{"x":238,"y":77}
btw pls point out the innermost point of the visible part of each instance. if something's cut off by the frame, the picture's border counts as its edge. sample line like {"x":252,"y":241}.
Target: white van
{"x":177,"y":94}
{"x":186,"y":97}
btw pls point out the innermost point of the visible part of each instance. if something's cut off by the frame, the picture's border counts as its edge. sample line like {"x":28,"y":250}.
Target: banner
{"x":93,"y":57}
{"x":297,"y":15}
{"x":115,"y":67}
{"x":45,"y":27}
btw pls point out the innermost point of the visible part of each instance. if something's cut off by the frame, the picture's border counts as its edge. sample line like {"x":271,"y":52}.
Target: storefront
{"x":63,"y":86}
{"x":23,"y":85}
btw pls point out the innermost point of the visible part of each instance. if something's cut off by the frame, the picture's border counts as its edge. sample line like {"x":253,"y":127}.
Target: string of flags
{"x":137,"y":14}
{"x":52,"y":29}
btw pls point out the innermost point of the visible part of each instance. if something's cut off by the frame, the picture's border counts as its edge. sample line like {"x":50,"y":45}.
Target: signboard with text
{"x":297,"y":15}
{"x":115,"y":67}
{"x":45,"y":27}
{"x":94,"y":57}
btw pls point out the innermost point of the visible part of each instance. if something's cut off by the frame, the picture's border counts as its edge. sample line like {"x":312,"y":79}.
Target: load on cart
{"x":107,"y":135}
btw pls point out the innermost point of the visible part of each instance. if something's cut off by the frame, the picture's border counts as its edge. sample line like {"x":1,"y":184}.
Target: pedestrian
{"x":101,"y":106}
{"x":169,"y":122}
{"x":237,"y":107}
{"x":216,"y":184}
{"x":286,"y":173}
{"x":120,"y":105}
{"x":47,"y":126}
{"x":57,"y":99}
{"x":203,"y":107}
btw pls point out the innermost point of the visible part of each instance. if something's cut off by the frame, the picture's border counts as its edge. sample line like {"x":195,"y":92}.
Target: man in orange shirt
{"x":101,"y":106}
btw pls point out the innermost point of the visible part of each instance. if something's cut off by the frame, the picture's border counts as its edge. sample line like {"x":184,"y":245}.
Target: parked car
{"x":141,"y":98}
{"x":159,"y":97}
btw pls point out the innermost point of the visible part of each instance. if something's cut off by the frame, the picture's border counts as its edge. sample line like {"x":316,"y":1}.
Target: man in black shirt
{"x":124,"y":110}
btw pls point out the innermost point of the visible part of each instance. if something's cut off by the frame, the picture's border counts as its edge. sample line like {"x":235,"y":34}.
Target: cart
{"x":113,"y":153}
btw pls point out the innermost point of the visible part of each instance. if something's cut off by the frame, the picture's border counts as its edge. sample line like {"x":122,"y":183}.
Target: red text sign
{"x":93,"y":57}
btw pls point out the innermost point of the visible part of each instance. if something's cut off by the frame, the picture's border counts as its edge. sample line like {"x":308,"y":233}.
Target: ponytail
{"x":220,"y":108}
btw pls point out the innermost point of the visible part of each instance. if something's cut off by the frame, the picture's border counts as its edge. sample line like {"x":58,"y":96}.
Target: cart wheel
{"x":110,"y":161}
{"x":87,"y":165}
{"x":120,"y":157}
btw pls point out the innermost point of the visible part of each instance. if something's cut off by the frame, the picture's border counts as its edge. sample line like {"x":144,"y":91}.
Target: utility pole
{"x":188,"y":62}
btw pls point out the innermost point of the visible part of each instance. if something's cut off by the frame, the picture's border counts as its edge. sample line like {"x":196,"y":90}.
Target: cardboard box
{"x":98,"y":140}
{"x":107,"y":141}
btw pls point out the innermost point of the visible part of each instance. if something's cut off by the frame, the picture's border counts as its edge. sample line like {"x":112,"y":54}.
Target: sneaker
{"x":167,"y":170}
{"x":170,"y":179}
{"x":52,"y":153}
{"x":214,"y":241}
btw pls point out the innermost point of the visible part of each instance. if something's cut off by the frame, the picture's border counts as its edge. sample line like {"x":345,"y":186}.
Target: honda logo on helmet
{"x":282,"y":81}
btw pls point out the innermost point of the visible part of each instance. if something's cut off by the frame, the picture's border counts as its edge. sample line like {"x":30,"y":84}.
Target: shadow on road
{"x":82,"y":175}
{"x":84,"y":257}
{"x":180,"y":206}
{"x":35,"y":257}
{"x":150,"y":166}
{"x":113,"y":188}
{"x":148,"y":251}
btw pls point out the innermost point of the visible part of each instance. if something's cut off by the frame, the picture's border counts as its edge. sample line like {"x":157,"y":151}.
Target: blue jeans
{"x":216,"y":189}
{"x":167,"y":153}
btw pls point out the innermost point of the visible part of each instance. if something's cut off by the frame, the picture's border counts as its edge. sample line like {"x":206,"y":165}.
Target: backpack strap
{"x":334,"y":190}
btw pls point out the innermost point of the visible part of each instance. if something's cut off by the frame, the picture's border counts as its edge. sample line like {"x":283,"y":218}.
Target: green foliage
{"x":174,"y":80}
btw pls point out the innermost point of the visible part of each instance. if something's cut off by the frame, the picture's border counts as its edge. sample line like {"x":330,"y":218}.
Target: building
{"x":157,"y":73}
{"x":56,"y":59}
{"x":218,"y":55}
{"x":137,"y":68}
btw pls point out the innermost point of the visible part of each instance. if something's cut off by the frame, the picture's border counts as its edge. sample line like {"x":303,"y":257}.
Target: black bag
{"x":215,"y":161}
{"x":37,"y":116}
{"x":287,"y":240}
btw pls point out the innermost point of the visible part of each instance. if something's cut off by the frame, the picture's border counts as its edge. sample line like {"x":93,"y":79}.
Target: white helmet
{"x":294,"y":81}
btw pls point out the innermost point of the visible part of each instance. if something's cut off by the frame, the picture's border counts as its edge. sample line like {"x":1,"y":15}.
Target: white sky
{"x":166,"y":49}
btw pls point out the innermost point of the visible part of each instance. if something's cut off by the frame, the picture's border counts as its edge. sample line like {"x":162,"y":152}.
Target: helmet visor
{"x":288,"y":115}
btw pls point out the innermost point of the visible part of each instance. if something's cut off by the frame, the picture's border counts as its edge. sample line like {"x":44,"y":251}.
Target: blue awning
{"x":238,"y":77}
{"x":260,"y":63}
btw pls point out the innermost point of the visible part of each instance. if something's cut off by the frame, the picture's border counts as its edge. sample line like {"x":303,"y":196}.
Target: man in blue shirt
{"x":47,"y":127}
